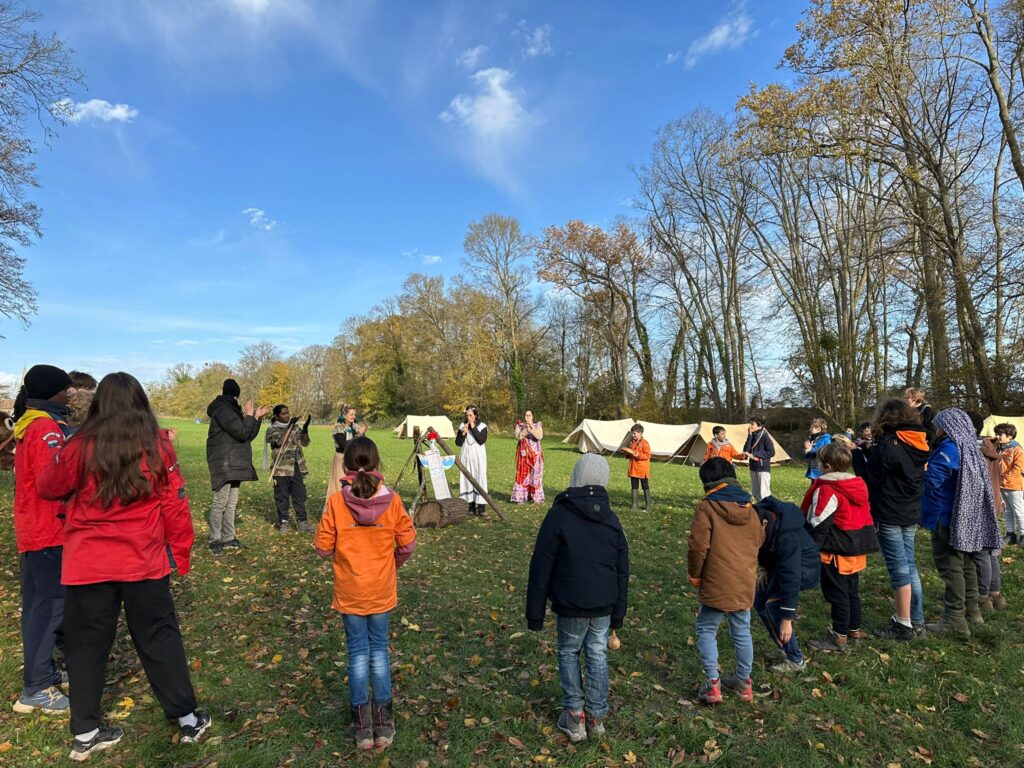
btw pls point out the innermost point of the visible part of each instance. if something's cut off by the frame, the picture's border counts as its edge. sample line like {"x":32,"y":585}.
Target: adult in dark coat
{"x":229,"y":457}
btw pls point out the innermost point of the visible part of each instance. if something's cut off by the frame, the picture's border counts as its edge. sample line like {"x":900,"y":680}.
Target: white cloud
{"x":427,"y":259}
{"x":494,"y":121}
{"x":251,"y":7}
{"x":470,"y":58}
{"x":259,"y":219}
{"x":538,"y":41}
{"x":731,"y":32}
{"x":673,"y":57}
{"x":187,"y":343}
{"x":93,"y":110}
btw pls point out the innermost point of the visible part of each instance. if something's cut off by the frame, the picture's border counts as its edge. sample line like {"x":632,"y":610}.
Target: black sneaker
{"x":233,"y":544}
{"x":105,"y":739}
{"x":896,"y":631}
{"x":190,"y":734}
{"x":216,"y":548}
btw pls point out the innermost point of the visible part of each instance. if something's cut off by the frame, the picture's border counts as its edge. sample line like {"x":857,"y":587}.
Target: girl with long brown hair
{"x":125,"y":506}
{"x":368,"y":532}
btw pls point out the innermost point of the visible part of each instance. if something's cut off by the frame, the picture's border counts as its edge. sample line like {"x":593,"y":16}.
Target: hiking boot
{"x":573,"y":725}
{"x":857,"y":634}
{"x":786,"y":666}
{"x":383,"y":725}
{"x":744,"y":689}
{"x":233,"y":544}
{"x":896,"y":631}
{"x":832,"y":642}
{"x":710,"y":692}
{"x":50,"y":700}
{"x":957,"y":629}
{"x":303,"y":527}
{"x":282,"y":526}
{"x":985,"y":604}
{"x":595,"y":726}
{"x":920,"y":631}
{"x":974,"y":615}
{"x":216,"y":548}
{"x":191,"y":734}
{"x":998,"y":601}
{"x":104,"y":739}
{"x":362,"y":726}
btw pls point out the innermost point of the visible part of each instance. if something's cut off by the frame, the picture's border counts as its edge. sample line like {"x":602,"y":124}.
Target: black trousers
{"x":90,"y":622}
{"x":636,"y":482}
{"x":842,"y":592}
{"x":42,"y":611}
{"x":290,"y":489}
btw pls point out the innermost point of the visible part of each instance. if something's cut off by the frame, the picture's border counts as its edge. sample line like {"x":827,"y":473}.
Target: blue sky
{"x":240,"y":170}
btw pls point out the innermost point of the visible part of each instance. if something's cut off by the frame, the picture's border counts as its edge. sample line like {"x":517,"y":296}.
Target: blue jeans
{"x":577,"y":634}
{"x":707,"y":643}
{"x":369,"y":664}
{"x":42,"y":616}
{"x":769,"y":608}
{"x":897,"y":545}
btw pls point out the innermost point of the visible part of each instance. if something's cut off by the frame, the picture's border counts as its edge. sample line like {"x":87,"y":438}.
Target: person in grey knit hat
{"x":581,"y":563}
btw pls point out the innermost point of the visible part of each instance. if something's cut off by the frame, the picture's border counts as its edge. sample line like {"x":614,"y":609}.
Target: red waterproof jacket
{"x":36,"y":525}
{"x":122,"y":542}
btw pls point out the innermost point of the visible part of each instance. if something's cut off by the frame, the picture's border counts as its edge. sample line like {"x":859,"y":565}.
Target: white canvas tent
{"x":693,"y":451}
{"x":596,"y":436}
{"x":988,"y":429}
{"x":667,"y":439}
{"x":442,"y":424}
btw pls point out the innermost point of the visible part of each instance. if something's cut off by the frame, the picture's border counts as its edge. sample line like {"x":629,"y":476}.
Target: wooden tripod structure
{"x":417,"y":442}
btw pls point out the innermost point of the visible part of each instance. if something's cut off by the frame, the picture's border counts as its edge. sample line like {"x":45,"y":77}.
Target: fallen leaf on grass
{"x":517,"y":743}
{"x":629,"y":757}
{"x":981,"y":734}
{"x":6,"y":746}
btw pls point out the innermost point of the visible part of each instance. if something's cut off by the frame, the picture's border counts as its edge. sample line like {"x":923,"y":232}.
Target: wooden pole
{"x":415,"y":450}
{"x":472,"y":480}
{"x":280,"y":451}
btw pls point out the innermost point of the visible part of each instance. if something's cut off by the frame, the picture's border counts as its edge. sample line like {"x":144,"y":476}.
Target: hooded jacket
{"x":724,"y":450}
{"x":122,"y":542}
{"x":370,"y":539}
{"x":940,"y":480}
{"x":228,"y":452}
{"x":39,"y":436}
{"x":896,"y":474}
{"x":838,"y":515}
{"x":725,"y":536}
{"x":788,"y":555}
{"x":580,"y":560}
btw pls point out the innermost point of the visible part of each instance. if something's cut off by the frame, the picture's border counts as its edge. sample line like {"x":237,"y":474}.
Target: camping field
{"x":474,"y":688}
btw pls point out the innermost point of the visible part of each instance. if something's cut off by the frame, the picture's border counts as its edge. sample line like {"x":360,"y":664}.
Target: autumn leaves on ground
{"x":473,"y":687}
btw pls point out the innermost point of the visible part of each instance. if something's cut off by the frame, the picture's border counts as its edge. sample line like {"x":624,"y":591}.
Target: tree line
{"x":854,"y":230}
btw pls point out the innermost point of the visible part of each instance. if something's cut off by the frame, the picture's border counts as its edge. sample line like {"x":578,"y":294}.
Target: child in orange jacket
{"x":1011,"y":457}
{"x":370,"y":535}
{"x":721,"y":448}
{"x":639,"y":472}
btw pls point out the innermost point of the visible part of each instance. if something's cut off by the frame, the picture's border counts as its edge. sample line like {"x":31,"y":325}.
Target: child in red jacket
{"x":125,"y":504}
{"x":839,"y":515}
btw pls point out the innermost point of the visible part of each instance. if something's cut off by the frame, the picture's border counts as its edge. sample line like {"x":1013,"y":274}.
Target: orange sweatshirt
{"x":640,"y":462}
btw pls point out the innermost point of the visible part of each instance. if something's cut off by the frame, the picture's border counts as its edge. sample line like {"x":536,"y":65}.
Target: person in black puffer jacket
{"x":229,"y":457}
{"x":789,"y":564}
{"x":895,"y":481}
{"x":581,"y":562}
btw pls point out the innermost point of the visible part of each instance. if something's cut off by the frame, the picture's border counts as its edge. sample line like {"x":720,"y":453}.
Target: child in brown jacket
{"x":725,"y":537}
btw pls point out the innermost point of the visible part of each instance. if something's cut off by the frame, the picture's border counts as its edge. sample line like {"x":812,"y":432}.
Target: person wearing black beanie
{"x":41,"y":425}
{"x":229,"y":457}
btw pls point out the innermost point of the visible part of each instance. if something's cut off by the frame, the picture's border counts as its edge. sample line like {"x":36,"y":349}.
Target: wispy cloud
{"x":428,"y":259}
{"x":259,"y":219}
{"x":93,"y":110}
{"x":537,"y":41}
{"x":730,"y":33}
{"x":673,"y":57}
{"x":470,"y":58}
{"x":494,"y":120}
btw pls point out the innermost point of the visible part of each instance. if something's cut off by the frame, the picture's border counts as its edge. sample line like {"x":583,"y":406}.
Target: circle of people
{"x":102,"y":518}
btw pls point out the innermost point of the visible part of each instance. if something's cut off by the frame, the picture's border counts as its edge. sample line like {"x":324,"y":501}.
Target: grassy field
{"x":474,"y":688}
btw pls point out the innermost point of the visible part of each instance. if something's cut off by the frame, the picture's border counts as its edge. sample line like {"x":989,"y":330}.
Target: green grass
{"x":474,"y":688}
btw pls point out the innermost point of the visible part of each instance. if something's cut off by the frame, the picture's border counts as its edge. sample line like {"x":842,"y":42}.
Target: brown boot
{"x":998,"y":601}
{"x":362,"y":726}
{"x":857,"y":634}
{"x":383,"y":725}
